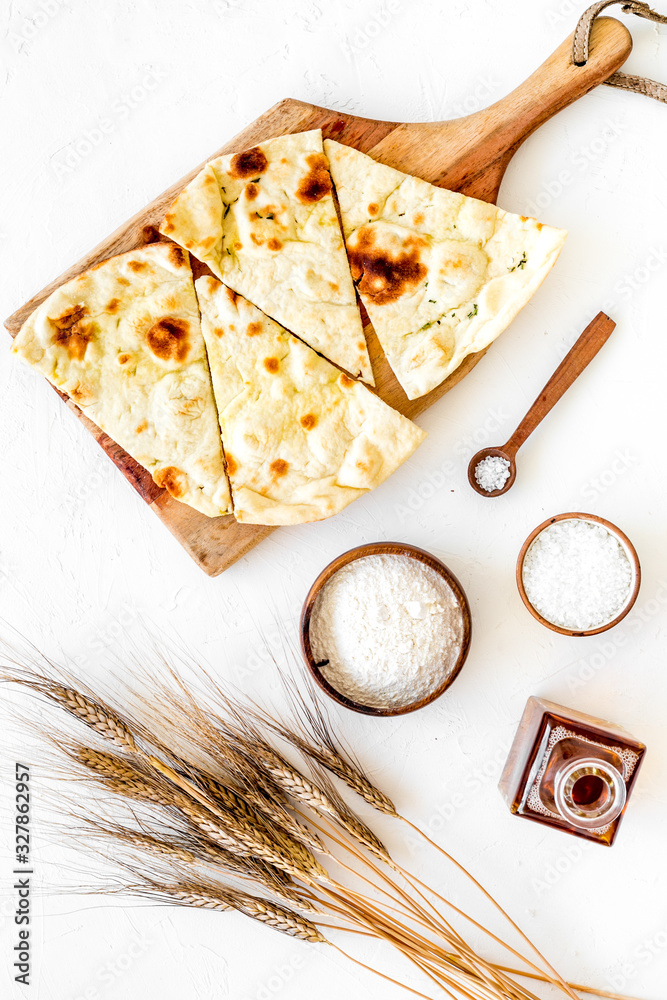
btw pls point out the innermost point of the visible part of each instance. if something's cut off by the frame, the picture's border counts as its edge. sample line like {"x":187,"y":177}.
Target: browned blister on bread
{"x":124,"y":341}
{"x":441,"y":275}
{"x":264,"y":220}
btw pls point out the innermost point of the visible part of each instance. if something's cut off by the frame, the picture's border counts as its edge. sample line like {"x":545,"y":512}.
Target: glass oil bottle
{"x":570,"y":771}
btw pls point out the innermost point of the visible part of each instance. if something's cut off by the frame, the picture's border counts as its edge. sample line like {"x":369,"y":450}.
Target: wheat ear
{"x":210,"y":897}
{"x":255,"y":808}
{"x":241,"y":837}
{"x":192,"y":852}
{"x":310,"y":794}
{"x":122,"y":779}
{"x":280,"y":816}
{"x":244,"y":736}
{"x":217,"y":740}
{"x":321,"y":746}
{"x":129,"y":780}
{"x":92,"y":712}
{"x":236,"y":834}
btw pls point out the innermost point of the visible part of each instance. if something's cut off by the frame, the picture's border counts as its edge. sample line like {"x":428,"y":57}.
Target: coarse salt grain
{"x":389,"y":628}
{"x":492,"y":473}
{"x":577,"y":575}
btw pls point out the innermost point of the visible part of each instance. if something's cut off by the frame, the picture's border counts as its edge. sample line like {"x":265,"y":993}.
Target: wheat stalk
{"x":242,"y":803}
{"x":258,"y":787}
{"x":242,"y":826}
{"x":306,"y":791}
{"x":126,"y":779}
{"x":323,"y":749}
{"x":214,"y":898}
{"x":319,"y":745}
{"x":243,"y":745}
{"x":356,"y":780}
{"x":95,"y":714}
{"x":245,"y":732}
{"x":239,"y":836}
{"x":213,"y":846}
{"x":218,"y":739}
{"x":190,"y":852}
{"x":233,"y":830}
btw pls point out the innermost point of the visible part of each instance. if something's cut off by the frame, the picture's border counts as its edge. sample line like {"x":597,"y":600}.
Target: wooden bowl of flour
{"x":411,"y":684}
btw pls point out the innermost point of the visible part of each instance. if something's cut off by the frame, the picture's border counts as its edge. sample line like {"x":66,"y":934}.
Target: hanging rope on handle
{"x":582,"y":37}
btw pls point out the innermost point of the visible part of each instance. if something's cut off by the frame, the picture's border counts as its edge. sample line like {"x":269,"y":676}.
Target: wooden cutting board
{"x":468,"y":154}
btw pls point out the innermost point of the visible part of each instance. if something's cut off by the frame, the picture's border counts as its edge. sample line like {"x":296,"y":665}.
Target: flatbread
{"x":124,"y":341}
{"x":441,"y":275}
{"x":265,"y":222}
{"x":301,"y":438}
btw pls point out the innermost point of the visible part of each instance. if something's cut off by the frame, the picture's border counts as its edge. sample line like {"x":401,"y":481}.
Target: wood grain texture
{"x":469,"y":155}
{"x":579,"y":357}
{"x":596,"y":334}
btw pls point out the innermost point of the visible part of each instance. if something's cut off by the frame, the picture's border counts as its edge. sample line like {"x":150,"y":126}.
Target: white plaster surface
{"x":80,"y":553}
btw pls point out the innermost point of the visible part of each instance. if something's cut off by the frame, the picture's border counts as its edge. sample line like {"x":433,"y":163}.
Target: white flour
{"x":391,"y":629}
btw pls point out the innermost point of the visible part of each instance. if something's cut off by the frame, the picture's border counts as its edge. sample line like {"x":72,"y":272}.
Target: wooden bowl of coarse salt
{"x":578,"y":574}
{"x":385,"y":628}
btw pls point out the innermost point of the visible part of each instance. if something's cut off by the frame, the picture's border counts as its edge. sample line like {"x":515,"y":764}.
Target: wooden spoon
{"x":579,"y":357}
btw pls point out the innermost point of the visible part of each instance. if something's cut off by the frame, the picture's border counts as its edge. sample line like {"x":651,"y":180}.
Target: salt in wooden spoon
{"x":587,"y":346}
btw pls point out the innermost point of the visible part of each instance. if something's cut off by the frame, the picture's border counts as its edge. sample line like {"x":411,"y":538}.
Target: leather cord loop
{"x":582,"y":37}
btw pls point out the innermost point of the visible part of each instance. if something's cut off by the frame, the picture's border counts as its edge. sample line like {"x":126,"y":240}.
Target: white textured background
{"x":83,"y":562}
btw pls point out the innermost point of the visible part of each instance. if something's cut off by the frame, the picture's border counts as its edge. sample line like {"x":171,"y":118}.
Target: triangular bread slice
{"x":301,"y":438}
{"x":124,"y":341}
{"x":441,"y":274}
{"x":264,"y":221}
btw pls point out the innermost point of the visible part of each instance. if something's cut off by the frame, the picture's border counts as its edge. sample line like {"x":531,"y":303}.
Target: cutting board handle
{"x":471,"y":154}
{"x":558,"y":82}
